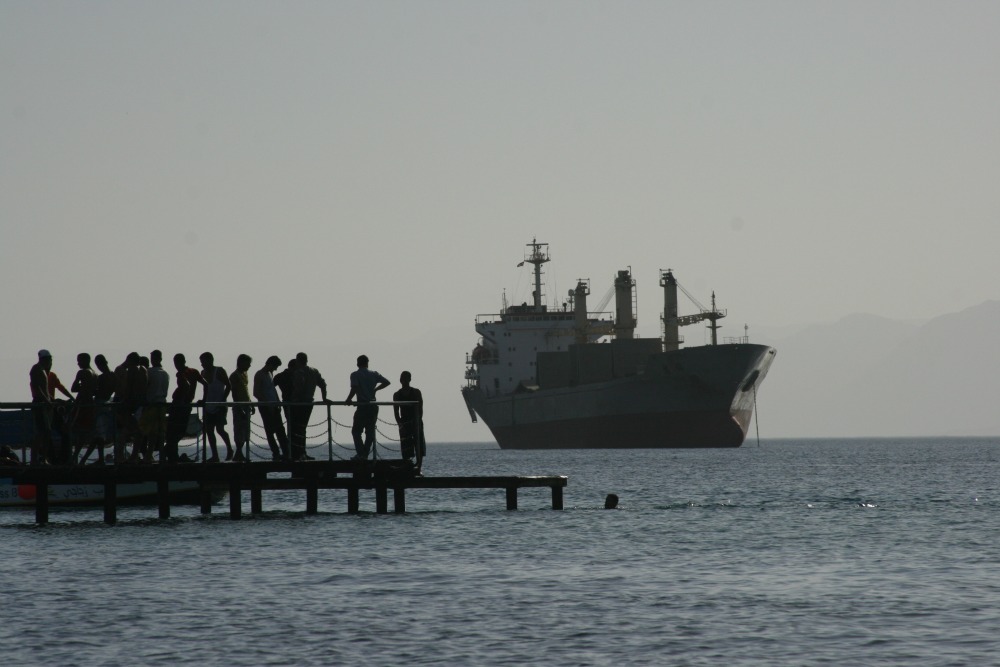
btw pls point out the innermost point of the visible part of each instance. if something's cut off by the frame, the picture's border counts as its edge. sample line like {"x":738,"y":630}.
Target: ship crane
{"x":671,"y":321}
{"x":606,"y":299}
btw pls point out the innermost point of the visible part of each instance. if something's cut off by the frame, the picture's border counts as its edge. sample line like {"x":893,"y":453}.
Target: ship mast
{"x":538,"y":255}
{"x":713,"y":316}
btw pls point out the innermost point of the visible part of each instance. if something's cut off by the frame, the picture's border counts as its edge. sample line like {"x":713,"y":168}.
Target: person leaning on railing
{"x":84,"y":420}
{"x":153,"y":420}
{"x":365,"y":384}
{"x":270,"y":414}
{"x":104,"y":426}
{"x":181,"y":404}
{"x":410,"y":420}
{"x":305,"y":381}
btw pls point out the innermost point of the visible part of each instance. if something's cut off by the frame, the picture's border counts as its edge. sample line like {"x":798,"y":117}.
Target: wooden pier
{"x":257,"y":477}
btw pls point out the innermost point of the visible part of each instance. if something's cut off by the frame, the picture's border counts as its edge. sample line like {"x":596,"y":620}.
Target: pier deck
{"x":310,"y":476}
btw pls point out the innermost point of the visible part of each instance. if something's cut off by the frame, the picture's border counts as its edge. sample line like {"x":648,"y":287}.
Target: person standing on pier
{"x":84,"y":422}
{"x":62,"y":418}
{"x":285,"y":383}
{"x":240,"y":382}
{"x":217,"y":390}
{"x":125,"y":405}
{"x":41,"y":409}
{"x":365,"y":384}
{"x":153,"y":421}
{"x":104,"y":423}
{"x":270,"y":413}
{"x":181,"y":403}
{"x":410,"y":419}
{"x":306,"y":379}
{"x":138,"y":385}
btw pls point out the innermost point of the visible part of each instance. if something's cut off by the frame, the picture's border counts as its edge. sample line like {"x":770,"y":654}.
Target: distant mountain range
{"x":870,"y":376}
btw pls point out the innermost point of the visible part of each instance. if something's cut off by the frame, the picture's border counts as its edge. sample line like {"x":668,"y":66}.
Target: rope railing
{"x":18,"y":430}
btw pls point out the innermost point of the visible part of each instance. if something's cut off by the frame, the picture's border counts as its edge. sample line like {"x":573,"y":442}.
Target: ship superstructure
{"x":566,"y":377}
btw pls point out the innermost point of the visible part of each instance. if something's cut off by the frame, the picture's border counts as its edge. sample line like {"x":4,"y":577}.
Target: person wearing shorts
{"x":240,"y":382}
{"x":217,"y":390}
{"x":153,"y":421}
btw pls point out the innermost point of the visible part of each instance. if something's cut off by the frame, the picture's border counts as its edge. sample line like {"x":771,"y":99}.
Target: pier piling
{"x":163,"y":497}
{"x":110,"y":503}
{"x":42,"y":503}
{"x":399,"y":499}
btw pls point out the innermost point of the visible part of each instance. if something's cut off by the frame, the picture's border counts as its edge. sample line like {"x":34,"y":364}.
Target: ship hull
{"x":694,"y":397}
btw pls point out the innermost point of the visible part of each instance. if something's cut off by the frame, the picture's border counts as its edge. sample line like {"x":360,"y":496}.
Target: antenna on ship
{"x":713,"y":316}
{"x":538,"y":255}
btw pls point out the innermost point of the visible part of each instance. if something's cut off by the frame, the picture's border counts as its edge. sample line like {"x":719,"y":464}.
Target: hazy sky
{"x":347,"y":177}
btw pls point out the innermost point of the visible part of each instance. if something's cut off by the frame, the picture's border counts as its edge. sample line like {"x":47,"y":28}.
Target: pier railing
{"x":325,"y":437}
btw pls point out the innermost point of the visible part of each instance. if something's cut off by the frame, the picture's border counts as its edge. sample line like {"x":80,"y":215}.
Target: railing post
{"x":329,"y":431}
{"x":420,"y":441}
{"x":249,"y":424}
{"x":25,"y":451}
{"x":114,"y":435}
{"x":201,"y":437}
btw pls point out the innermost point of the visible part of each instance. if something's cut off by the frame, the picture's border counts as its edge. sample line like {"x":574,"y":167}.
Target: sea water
{"x":790,"y":552}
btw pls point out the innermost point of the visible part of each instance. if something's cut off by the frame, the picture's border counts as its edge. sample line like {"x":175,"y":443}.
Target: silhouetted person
{"x":270,"y":414}
{"x":55,"y":385}
{"x":364,"y":384}
{"x":41,"y":408}
{"x":240,"y":382}
{"x":103,"y":416}
{"x":62,"y":416}
{"x":127,"y":402}
{"x":285,"y":383}
{"x":153,"y":422}
{"x":181,"y":404}
{"x":217,"y":389}
{"x":611,"y":502}
{"x":84,"y":423}
{"x":306,"y":380}
{"x":138,"y":385}
{"x":410,"y":419}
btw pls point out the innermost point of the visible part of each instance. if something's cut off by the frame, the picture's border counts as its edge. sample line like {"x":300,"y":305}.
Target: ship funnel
{"x":625,"y":319}
{"x":671,"y":327}
{"x":580,"y":310}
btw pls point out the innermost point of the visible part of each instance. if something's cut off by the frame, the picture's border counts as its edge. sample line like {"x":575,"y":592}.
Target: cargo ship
{"x":561,"y":377}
